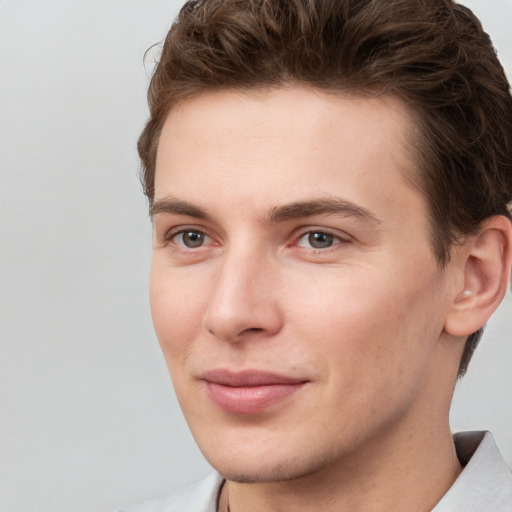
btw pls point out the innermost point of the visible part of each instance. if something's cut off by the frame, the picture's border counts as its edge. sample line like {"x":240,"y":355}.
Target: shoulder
{"x":198,"y":497}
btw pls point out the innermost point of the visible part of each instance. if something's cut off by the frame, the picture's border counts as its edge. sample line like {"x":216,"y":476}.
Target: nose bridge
{"x":243,"y":299}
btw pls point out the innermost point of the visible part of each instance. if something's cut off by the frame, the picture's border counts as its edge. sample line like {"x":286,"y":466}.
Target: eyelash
{"x":170,"y":237}
{"x":336,"y":239}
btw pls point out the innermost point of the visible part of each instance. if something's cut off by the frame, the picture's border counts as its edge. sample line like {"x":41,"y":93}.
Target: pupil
{"x":320,"y":240}
{"x":193,"y":239}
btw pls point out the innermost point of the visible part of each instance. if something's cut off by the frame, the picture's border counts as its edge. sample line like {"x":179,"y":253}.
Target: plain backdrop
{"x":88,"y":419}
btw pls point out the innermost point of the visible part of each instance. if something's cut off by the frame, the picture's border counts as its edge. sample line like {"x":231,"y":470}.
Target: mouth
{"x":248,"y":392}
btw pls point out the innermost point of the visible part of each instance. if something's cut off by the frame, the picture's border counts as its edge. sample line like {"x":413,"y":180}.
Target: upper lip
{"x":246,"y":378}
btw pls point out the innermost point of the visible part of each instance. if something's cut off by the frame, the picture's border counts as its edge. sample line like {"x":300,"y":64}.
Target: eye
{"x":318,"y":240}
{"x":190,"y":238}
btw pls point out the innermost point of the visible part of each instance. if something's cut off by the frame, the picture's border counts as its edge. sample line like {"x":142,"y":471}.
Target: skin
{"x":360,"y":319}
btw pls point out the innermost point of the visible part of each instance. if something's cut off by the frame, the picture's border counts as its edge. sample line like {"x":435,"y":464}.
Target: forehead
{"x":271,"y":146}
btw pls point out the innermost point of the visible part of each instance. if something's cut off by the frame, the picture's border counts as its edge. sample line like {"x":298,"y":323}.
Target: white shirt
{"x":485,"y":484}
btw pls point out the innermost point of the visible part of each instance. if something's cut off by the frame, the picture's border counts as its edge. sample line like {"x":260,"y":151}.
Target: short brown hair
{"x":432,"y":54}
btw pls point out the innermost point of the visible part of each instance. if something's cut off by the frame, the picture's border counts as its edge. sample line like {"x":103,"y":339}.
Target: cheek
{"x":177,"y":310}
{"x":371,"y":324}
{"x":375,"y":361}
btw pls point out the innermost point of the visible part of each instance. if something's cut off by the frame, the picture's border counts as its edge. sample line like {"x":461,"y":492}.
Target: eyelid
{"x":173,"y":232}
{"x":341,"y":237}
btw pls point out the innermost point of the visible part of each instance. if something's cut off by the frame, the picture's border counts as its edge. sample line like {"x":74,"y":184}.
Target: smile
{"x":248,"y":392}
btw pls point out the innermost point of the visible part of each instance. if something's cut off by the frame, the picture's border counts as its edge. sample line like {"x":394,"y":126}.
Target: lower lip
{"x":249,"y":399}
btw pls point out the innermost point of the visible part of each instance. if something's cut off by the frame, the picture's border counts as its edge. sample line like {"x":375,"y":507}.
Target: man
{"x":329,"y":183}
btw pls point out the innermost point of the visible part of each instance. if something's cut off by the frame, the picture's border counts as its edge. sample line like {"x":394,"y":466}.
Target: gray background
{"x":88,"y":420}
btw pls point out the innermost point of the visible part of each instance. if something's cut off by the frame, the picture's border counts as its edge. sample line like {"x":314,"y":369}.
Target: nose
{"x":244,"y":301}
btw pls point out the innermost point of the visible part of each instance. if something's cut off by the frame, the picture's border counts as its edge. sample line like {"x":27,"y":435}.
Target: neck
{"x":409,"y":476}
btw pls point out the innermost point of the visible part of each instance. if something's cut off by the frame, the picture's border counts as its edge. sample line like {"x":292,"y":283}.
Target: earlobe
{"x":485,"y":263}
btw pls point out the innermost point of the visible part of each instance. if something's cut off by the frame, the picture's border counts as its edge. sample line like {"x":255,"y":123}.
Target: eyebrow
{"x":278,"y":214}
{"x":172,"y":205}
{"x":320,"y":207}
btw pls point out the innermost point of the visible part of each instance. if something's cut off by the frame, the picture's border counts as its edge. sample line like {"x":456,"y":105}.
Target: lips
{"x":249,"y":392}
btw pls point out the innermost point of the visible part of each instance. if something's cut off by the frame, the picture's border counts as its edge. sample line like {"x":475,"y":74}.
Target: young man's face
{"x":294,"y":289}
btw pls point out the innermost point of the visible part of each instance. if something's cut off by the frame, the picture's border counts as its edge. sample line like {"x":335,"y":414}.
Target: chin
{"x":267,"y":471}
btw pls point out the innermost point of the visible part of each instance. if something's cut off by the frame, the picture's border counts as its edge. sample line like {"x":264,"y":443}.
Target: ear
{"x":483,"y":262}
